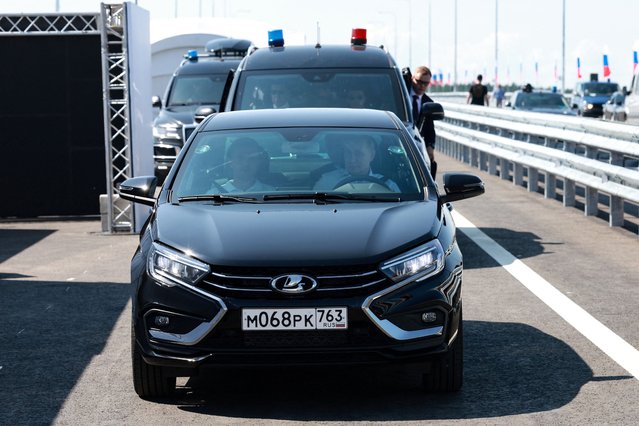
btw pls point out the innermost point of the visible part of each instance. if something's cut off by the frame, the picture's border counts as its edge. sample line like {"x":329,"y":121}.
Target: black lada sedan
{"x":297,"y":236}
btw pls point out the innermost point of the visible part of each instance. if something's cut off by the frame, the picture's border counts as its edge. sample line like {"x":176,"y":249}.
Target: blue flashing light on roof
{"x":275,"y":38}
{"x":191,"y":55}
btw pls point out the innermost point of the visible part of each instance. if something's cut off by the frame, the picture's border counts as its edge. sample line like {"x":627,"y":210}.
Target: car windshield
{"x":196,"y":90}
{"x":600,"y":89}
{"x":299,"y":163}
{"x":541,"y":100}
{"x":371,"y":88}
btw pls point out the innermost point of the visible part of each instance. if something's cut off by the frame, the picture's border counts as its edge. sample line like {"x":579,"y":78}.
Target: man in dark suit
{"x":417,"y":83}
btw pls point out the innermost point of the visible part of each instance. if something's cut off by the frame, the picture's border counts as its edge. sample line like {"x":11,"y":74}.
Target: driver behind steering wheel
{"x":358,"y":152}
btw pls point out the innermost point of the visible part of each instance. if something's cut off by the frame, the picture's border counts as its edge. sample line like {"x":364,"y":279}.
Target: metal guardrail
{"x":501,"y":143}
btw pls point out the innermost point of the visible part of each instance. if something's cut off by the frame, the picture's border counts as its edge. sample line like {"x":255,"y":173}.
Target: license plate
{"x":295,"y":319}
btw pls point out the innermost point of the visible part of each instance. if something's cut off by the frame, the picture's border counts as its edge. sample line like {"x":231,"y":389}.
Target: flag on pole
{"x":435,"y":83}
{"x":606,"y":68}
{"x":634,"y":61}
{"x":578,"y":68}
{"x":441,"y":78}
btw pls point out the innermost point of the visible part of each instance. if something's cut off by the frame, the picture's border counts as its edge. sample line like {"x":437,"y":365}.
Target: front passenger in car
{"x":247,"y":161}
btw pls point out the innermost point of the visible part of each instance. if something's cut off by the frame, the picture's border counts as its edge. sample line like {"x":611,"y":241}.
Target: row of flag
{"x":606,"y":65}
{"x":438,"y":78}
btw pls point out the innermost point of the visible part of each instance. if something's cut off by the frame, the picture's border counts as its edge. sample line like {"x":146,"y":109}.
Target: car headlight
{"x":169,"y":267}
{"x":422,"y":262}
{"x":167,"y":130}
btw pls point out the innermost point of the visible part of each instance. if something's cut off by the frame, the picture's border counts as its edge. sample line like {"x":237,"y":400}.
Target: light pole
{"x":496,"y":40}
{"x":394,"y":15}
{"x":455,"y":58}
{"x":410,"y":34}
{"x":430,"y":64}
{"x":563,"y":47}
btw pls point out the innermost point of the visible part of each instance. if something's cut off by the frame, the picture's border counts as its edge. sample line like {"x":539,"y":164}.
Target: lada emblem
{"x":293,"y":283}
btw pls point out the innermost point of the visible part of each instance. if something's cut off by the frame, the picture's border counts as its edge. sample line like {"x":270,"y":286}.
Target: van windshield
{"x":600,"y":89}
{"x":324,"y":88}
{"x":196,"y":89}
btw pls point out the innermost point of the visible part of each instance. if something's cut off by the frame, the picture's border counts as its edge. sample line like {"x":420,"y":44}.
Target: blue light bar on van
{"x":275,"y":38}
{"x":191,"y":54}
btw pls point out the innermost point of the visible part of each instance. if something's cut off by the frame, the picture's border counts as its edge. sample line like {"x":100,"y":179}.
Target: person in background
{"x":417,"y":83}
{"x":478,"y":93}
{"x":356,"y":98}
{"x":280,"y":96}
{"x":499,"y":95}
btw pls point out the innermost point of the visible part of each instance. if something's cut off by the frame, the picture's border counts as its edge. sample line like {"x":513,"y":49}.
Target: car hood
{"x":290,"y":234}
{"x":564,"y":111}
{"x":180,"y":114}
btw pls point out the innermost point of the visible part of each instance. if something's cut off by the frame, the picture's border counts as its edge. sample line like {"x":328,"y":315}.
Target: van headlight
{"x":169,"y":267}
{"x":421,"y":263}
{"x":167,"y":131}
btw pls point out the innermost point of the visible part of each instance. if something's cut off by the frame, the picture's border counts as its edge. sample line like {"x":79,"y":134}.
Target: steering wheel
{"x":371,"y":179}
{"x":216,"y":188}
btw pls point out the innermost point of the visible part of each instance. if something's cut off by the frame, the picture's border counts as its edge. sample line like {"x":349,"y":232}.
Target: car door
{"x":632,"y":102}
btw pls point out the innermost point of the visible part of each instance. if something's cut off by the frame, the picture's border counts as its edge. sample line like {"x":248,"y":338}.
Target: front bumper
{"x":384,"y":324}
{"x":595,"y":111}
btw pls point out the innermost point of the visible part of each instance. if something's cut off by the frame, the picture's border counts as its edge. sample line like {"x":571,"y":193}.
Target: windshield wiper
{"x":218,"y":198}
{"x":328,"y":197}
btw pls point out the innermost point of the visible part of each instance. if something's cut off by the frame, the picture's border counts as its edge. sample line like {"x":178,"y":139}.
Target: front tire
{"x":447,"y":370}
{"x":149,"y":381}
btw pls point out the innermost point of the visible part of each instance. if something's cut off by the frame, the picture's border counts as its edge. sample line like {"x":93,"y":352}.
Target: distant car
{"x":266,"y":246}
{"x":615,"y":108}
{"x":540,"y":101}
{"x":195,"y":88}
{"x":590,"y":96}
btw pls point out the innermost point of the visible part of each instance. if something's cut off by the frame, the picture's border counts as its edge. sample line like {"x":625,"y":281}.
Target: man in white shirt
{"x":247,"y":159}
{"x":359,"y":152}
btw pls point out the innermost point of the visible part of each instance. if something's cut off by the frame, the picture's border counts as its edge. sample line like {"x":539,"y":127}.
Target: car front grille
{"x":165,"y":151}
{"x":332,"y":280}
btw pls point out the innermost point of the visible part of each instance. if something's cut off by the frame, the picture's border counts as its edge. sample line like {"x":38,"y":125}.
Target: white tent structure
{"x":172,"y":38}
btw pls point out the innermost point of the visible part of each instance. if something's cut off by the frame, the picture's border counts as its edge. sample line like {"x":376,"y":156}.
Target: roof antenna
{"x":318,"y":35}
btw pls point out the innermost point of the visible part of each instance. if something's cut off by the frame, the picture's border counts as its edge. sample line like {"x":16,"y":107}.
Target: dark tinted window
{"x":600,"y":89}
{"x":196,"y":89}
{"x":298,"y":160}
{"x":374,"y":88}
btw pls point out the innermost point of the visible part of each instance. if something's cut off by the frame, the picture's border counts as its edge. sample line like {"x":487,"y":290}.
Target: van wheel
{"x":149,"y":381}
{"x":447,"y":370}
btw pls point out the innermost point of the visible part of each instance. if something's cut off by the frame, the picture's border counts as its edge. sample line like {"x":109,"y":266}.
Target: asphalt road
{"x":65,"y":315}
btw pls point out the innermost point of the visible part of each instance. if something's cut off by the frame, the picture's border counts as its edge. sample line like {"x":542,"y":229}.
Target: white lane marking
{"x":614,"y":346}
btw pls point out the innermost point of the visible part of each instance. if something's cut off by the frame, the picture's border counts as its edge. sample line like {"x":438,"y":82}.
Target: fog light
{"x":161,"y":321}
{"x":429,"y":317}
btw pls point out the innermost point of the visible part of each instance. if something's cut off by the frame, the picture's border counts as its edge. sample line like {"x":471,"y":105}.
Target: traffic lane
{"x":588,"y":261}
{"x":522,"y":364}
{"x":493,"y":387}
{"x":63,"y":285}
{"x":497,"y":383}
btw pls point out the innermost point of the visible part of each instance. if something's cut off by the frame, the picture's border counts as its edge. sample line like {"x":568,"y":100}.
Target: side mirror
{"x":139,"y":189}
{"x":202,"y":112}
{"x":156,"y":102}
{"x":430,"y":111}
{"x":459,"y":186}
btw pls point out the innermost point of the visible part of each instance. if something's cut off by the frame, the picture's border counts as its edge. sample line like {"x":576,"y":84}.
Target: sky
{"x":521,"y":39}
